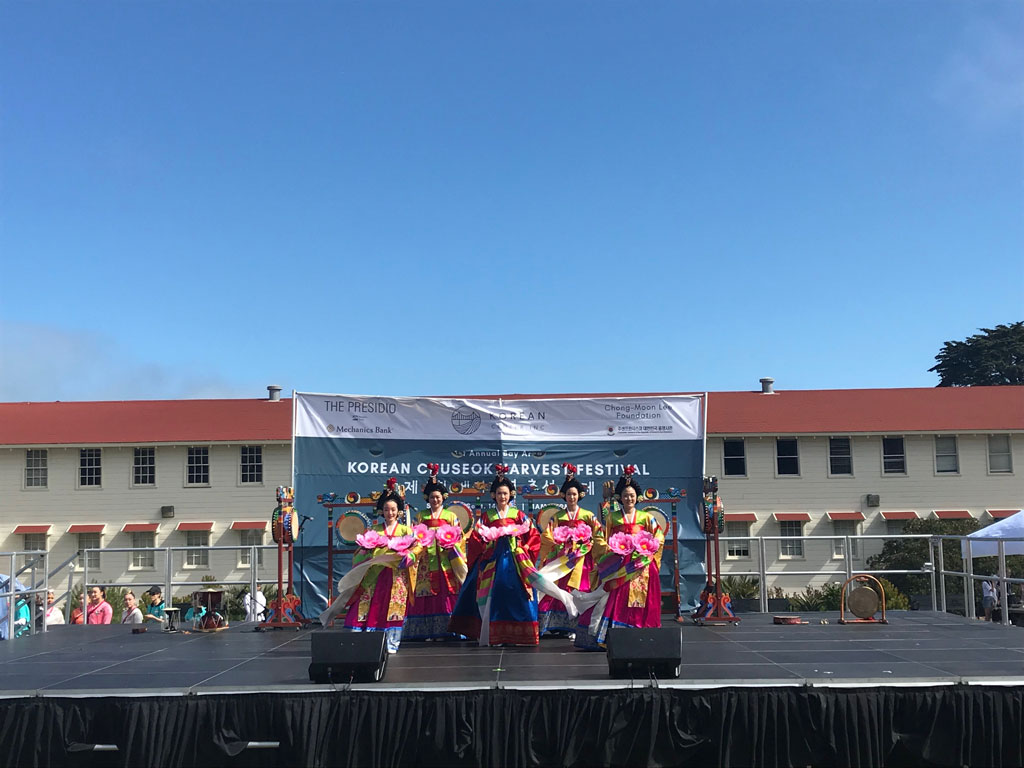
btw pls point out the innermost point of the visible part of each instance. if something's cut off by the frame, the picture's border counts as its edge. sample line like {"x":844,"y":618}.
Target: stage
{"x":925,"y":689}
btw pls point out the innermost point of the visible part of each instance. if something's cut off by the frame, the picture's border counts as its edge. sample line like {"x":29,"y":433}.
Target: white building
{"x":177,"y":473}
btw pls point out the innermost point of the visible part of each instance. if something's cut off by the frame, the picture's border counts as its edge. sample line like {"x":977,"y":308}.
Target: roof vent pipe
{"x":273,"y":393}
{"x":766,"y":385}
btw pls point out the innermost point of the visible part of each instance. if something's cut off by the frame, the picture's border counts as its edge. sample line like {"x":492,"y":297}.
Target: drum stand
{"x":715,"y":606}
{"x":285,"y":610}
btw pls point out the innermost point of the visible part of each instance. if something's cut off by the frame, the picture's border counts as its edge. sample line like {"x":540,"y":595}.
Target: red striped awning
{"x":999,"y":514}
{"x":193,"y":526}
{"x":86,"y":528}
{"x":141,"y":527}
{"x":249,"y":525}
{"x":845,"y":515}
{"x":33,"y":529}
{"x":952,"y":514}
{"x":900,"y":514}
{"x":792,"y":517}
{"x":740,"y":517}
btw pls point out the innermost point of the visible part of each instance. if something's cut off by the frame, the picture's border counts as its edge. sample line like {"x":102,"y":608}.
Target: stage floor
{"x":915,"y":648}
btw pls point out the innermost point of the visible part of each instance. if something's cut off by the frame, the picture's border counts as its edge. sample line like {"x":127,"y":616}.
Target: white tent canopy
{"x":1008,"y":528}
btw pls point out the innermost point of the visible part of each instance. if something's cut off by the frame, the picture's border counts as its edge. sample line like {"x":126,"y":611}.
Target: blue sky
{"x":199,"y":199}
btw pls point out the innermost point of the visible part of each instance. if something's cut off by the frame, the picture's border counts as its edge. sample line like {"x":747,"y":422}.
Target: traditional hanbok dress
{"x":440,"y":571}
{"x":379,"y":602}
{"x":627,"y":590}
{"x":571,"y":546}
{"x":497,"y":604}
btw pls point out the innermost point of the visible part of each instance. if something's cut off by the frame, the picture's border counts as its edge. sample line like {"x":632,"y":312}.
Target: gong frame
{"x":864,"y":578}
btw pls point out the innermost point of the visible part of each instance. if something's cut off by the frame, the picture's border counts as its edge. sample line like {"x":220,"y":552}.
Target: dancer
{"x":497,"y":604}
{"x":383,"y":577}
{"x":570,"y":540}
{"x":440,"y":567}
{"x":627,"y":592}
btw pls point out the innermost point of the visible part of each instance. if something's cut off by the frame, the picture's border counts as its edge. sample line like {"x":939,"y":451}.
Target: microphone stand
{"x":302,"y":560}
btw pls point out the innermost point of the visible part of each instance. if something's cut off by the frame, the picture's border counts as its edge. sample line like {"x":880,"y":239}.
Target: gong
{"x":862,"y":602}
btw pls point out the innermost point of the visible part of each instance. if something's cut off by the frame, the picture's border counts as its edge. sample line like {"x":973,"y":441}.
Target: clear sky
{"x":198,"y":199}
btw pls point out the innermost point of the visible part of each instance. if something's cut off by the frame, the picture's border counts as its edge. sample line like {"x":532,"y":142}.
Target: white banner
{"x":671,"y":417}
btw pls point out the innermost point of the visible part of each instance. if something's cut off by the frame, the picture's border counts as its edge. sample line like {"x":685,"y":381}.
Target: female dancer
{"x":378,"y":603}
{"x":627,"y":592}
{"x":571,"y":540}
{"x":440,"y":567}
{"x":497,"y":603}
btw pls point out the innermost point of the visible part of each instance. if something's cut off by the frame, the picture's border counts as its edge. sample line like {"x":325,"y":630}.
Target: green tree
{"x":990,"y":358}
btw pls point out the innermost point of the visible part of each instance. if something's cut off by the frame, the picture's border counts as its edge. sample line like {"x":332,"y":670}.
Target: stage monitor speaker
{"x":634,"y":653}
{"x":343,"y":657}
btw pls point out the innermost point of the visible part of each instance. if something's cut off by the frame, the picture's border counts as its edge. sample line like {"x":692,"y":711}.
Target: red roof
{"x":792,"y":517}
{"x":845,"y":515}
{"x":786,"y":412}
{"x":145,"y":421}
{"x":206,"y":526}
{"x":141,"y":527}
{"x":249,"y":525}
{"x":33,"y":529}
{"x":87,"y":528}
{"x":952,"y":514}
{"x":900,"y":514}
{"x":740,"y":517}
{"x":999,"y":514}
{"x":887,"y":411}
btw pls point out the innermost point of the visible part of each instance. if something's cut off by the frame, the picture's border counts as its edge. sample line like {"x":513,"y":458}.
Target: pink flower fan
{"x":486,"y":532}
{"x":646,"y":543}
{"x":401,"y":543}
{"x":561,"y":534}
{"x":621,"y":543}
{"x":448,"y":536}
{"x":422,"y":534}
{"x":371,"y":540}
{"x":581,"y":532}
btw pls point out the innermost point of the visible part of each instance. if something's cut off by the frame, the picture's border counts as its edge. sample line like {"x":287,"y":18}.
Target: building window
{"x":144,"y":467}
{"x":90,"y":473}
{"x":740,"y":547}
{"x":33,"y":541}
{"x":1000,"y":458}
{"x":894,"y":460}
{"x":36,"y":474}
{"x":252,"y":464}
{"x":142,"y":540}
{"x":946,"y":461}
{"x":894,"y":527}
{"x":840,"y":456}
{"x":793,"y":548}
{"x":787,"y":457}
{"x":734,"y":458}
{"x":198,"y":468}
{"x":89,"y":541}
{"x":197,"y":557}
{"x":844,"y":528}
{"x":250,"y":538}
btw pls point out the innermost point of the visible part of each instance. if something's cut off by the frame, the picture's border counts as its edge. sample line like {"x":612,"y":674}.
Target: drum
{"x":275,"y":525}
{"x":463,"y":512}
{"x":351,"y":525}
{"x":289,"y":526}
{"x":659,"y":517}
{"x":546,"y":515}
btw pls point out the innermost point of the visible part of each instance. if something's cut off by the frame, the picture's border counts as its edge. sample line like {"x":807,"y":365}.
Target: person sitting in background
{"x":157,"y":609}
{"x":131,"y":613}
{"x":98,"y":610}
{"x":54,"y":615}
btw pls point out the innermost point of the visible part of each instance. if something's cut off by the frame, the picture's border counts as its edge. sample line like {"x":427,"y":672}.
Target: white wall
{"x":117,"y":502}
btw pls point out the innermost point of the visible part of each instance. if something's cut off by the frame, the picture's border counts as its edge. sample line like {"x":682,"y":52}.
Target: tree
{"x":990,"y":358}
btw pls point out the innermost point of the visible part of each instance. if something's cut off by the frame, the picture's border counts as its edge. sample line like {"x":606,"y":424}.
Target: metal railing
{"x":844,"y":563}
{"x":36,"y":565}
{"x":168,"y":581}
{"x":970,"y":577}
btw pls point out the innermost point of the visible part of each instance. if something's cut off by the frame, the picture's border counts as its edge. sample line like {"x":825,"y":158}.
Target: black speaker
{"x":343,"y":657}
{"x":643,"y":652}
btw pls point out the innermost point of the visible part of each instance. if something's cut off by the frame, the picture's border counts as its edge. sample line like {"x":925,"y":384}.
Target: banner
{"x":353,"y":443}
